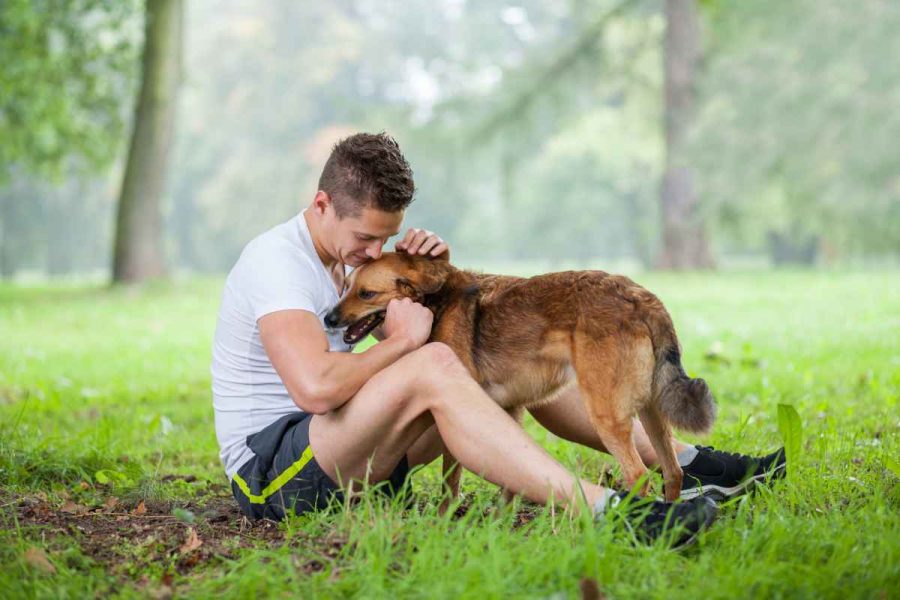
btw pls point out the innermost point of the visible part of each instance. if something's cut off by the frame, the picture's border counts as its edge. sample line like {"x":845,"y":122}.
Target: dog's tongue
{"x":358,"y":330}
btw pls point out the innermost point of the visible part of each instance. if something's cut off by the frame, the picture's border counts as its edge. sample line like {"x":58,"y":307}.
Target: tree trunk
{"x":138,"y":252}
{"x":685,"y":245}
{"x":6,"y":265}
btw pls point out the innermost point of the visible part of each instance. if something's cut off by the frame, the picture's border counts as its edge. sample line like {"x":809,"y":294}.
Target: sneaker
{"x":724,"y":475}
{"x":651,"y":519}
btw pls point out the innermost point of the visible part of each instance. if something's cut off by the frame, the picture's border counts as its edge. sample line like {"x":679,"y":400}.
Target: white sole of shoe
{"x":729,"y":492}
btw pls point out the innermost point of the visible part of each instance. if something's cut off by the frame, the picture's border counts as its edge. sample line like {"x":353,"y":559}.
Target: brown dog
{"x":525,"y":340}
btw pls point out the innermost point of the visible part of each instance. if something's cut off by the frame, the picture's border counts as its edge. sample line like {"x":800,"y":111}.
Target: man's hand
{"x":408,"y":320}
{"x":425,"y":243}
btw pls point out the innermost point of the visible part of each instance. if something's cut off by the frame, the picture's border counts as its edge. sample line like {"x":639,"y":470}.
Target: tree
{"x":685,"y":243}
{"x":795,"y":139}
{"x":138,"y":245}
{"x":66,"y":66}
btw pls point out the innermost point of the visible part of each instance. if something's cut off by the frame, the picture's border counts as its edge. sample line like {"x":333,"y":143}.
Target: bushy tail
{"x":686,"y":403}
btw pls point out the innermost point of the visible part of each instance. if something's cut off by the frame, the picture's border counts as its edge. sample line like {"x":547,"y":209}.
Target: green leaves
{"x":108,"y":476}
{"x":892,"y":465}
{"x":791,"y":429}
{"x":67,"y":69}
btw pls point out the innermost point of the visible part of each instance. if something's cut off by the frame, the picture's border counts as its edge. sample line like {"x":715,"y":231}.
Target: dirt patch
{"x":179,"y":535}
{"x":132,"y":539}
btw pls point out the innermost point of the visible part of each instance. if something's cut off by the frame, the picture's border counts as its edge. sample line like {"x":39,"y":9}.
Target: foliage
{"x":106,"y":393}
{"x":68,"y":67}
{"x":798,"y":131}
{"x":514,"y":156}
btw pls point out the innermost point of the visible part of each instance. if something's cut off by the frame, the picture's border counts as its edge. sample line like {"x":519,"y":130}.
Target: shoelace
{"x":722,"y":454}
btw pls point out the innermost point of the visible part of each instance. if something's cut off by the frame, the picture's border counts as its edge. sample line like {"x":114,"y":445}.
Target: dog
{"x":525,"y":340}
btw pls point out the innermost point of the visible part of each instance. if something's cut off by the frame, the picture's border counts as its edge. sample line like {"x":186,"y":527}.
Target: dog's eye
{"x":366,"y":294}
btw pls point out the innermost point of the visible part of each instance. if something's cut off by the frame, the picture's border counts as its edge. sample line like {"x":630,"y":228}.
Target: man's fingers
{"x":430,"y":244}
{"x":407,"y":239}
{"x":423,"y":243}
{"x":440,"y":249}
{"x":418,"y":240}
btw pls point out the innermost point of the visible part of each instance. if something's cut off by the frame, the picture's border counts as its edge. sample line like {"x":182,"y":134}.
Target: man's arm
{"x":318,"y":380}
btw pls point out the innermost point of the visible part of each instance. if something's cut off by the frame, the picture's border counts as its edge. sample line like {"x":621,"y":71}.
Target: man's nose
{"x":374,"y":252}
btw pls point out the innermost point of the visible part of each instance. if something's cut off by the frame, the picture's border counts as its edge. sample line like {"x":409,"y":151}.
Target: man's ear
{"x":321,"y":202}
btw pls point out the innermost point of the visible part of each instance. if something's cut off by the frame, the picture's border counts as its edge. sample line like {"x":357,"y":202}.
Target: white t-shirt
{"x":278,"y":270}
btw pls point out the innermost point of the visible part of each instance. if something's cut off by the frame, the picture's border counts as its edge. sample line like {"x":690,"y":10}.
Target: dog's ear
{"x":426,"y":277}
{"x":408,"y":289}
{"x":433,"y":273}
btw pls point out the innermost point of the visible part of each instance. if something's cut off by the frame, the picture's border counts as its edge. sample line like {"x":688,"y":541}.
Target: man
{"x":299,"y":417}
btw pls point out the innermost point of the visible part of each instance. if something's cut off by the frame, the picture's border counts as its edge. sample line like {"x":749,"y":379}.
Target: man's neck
{"x":315,"y":233}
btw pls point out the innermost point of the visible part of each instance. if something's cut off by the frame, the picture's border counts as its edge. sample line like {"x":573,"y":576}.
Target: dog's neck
{"x":458,"y":285}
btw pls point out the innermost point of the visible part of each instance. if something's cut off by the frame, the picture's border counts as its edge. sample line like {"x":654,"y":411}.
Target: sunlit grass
{"x":117,"y":382}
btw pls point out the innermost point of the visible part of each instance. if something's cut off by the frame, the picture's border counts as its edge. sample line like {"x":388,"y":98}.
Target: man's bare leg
{"x":568,"y":418}
{"x":368,"y":436}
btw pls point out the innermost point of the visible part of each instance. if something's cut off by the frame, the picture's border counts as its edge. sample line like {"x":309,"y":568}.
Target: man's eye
{"x":366,"y":294}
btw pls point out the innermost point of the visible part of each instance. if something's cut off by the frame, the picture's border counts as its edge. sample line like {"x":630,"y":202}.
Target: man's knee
{"x":437,"y":362}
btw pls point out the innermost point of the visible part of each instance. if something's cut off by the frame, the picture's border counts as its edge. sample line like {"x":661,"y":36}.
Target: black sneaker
{"x":724,"y":475}
{"x":651,"y":519}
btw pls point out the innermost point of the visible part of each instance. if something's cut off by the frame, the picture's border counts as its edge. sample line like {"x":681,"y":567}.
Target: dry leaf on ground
{"x":36,"y":557}
{"x":73,"y":508}
{"x":192,"y":543}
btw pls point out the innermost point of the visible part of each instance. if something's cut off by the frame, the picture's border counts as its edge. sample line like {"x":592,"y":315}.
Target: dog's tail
{"x":687,"y":403}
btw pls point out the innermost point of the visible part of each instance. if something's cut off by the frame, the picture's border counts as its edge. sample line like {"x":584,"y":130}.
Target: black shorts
{"x":283,"y":476}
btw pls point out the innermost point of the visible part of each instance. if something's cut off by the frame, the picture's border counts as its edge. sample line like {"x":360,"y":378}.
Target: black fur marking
{"x":673,"y":356}
{"x":471,"y":290}
{"x":476,"y":331}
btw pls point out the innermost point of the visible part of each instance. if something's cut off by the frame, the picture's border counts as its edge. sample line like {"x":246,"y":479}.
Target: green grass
{"x":117,"y":382}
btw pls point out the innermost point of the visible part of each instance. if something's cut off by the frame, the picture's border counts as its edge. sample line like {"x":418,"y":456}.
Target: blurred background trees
{"x":560,"y":133}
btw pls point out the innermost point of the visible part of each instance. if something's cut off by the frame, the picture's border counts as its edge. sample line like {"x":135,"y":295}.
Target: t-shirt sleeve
{"x":274,"y":277}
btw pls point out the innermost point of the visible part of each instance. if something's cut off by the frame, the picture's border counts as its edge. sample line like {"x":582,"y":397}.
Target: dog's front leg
{"x":452,"y":473}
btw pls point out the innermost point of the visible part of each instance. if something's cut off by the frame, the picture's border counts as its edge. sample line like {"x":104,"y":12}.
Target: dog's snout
{"x":333,"y":317}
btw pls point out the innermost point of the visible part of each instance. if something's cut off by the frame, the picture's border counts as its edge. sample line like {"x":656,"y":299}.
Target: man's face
{"x":360,"y":239}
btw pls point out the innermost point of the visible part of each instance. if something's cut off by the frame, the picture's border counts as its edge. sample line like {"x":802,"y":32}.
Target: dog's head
{"x":373,"y":285}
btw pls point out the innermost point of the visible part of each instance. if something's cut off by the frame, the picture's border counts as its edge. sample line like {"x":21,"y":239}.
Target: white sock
{"x":603,"y":502}
{"x":687,"y":456}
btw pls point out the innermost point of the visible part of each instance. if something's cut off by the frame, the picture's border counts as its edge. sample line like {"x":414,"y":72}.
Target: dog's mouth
{"x":360,"y":329}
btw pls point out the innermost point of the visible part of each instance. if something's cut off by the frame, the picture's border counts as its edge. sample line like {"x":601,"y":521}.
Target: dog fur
{"x":525,"y":340}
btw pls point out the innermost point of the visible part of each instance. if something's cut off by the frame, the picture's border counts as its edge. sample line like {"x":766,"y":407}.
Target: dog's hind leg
{"x":660,"y":435}
{"x":614,"y":376}
{"x":452,"y":473}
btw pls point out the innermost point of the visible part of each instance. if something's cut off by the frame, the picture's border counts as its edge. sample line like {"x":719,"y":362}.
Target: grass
{"x":105,"y":394}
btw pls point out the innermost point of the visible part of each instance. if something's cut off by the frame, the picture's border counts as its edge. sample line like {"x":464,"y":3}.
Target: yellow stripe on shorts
{"x":277,"y":483}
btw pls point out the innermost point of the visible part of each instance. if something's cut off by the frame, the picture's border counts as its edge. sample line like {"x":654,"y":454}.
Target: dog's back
{"x":520,"y":324}
{"x":527,"y":340}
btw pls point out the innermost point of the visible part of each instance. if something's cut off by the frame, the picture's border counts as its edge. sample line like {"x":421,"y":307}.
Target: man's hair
{"x":367,"y":170}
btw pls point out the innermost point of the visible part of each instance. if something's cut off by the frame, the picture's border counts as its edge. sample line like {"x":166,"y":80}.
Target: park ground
{"x":110,"y":482}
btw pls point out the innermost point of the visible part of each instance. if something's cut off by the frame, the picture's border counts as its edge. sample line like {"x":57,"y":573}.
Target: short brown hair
{"x":367,"y":170}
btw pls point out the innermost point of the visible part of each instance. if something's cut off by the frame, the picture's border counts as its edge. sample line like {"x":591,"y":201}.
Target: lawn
{"x":110,"y":482}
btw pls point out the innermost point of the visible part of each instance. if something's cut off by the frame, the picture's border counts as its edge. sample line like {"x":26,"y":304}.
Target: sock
{"x":603,"y":502}
{"x":687,"y":456}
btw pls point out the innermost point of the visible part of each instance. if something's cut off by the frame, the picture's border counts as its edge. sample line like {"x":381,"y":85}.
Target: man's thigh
{"x":371,"y":432}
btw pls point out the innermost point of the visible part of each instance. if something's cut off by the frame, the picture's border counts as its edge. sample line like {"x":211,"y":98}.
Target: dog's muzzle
{"x":333,"y":318}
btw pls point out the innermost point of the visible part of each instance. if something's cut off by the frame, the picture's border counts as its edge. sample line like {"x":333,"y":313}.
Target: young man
{"x":299,"y":417}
